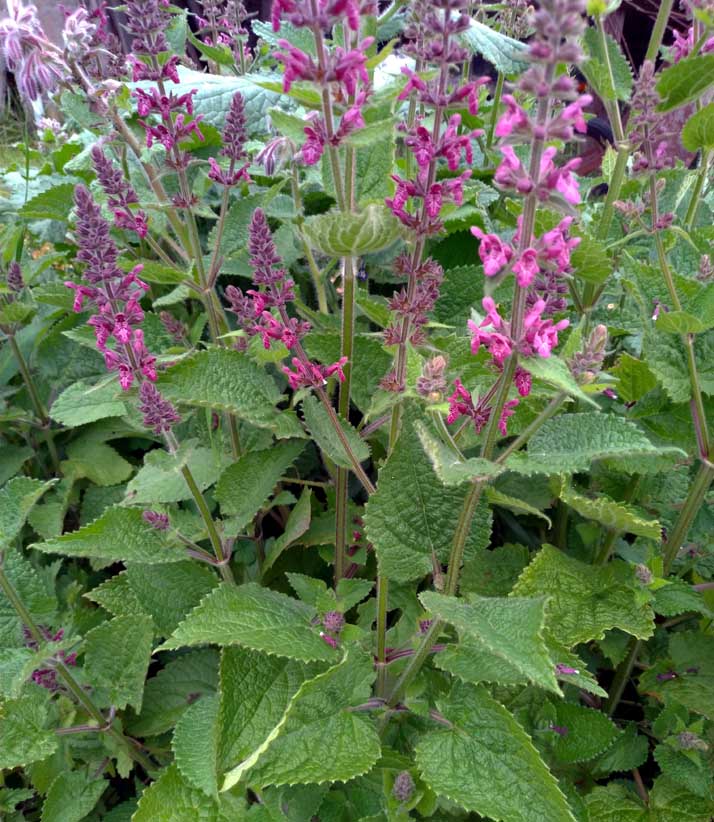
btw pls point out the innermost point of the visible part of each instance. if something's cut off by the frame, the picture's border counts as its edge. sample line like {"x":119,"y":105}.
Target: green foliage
{"x":373,"y":229}
{"x":327,"y":439}
{"x":596,"y":70}
{"x":685,"y":81}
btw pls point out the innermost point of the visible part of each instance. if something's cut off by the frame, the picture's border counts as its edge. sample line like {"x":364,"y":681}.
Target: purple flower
{"x":159,"y":414}
{"x":120,"y":194}
{"x":234,"y":131}
{"x":156,"y":520}
{"x":561,"y":730}
{"x":403,"y":788}
{"x":565,"y":670}
{"x":313,"y":375}
{"x":147,"y":21}
{"x":495,"y":254}
{"x":15,"y":281}
{"x":333,"y":621}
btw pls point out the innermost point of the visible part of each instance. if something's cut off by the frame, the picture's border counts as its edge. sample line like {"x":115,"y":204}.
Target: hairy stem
{"x":658,"y":30}
{"x":691,"y":217}
{"x":695,"y":498}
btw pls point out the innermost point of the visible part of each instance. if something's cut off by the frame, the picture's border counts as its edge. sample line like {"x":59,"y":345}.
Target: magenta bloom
{"x":541,"y":335}
{"x":513,"y":120}
{"x":526,"y":267}
{"x":494,"y":253}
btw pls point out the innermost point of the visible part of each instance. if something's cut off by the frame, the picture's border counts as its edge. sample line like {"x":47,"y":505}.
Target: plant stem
{"x":622,"y":675}
{"x":613,"y":107}
{"x":695,"y":498}
{"x":658,"y":29}
{"x":83,"y":698}
{"x":494,"y":109}
{"x":698,"y":187}
{"x":37,"y":404}
{"x":528,"y":432}
{"x":317,"y":277}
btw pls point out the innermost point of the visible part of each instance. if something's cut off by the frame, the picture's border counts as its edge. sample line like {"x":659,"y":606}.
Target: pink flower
{"x":310,"y":374}
{"x":514,"y":119}
{"x":508,"y":411}
{"x":494,"y":253}
{"x":526,"y":267}
{"x":541,"y":335}
{"x":558,"y":179}
{"x":523,"y":381}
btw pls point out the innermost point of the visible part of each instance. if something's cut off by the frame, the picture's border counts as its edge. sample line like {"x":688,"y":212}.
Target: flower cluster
{"x":170,"y":130}
{"x":47,"y":677}
{"x":274,"y":291}
{"x":147,"y":21}
{"x":234,"y":138}
{"x":221,"y":24}
{"x":119,"y":193}
{"x":115,"y":296}
{"x":461,"y":404}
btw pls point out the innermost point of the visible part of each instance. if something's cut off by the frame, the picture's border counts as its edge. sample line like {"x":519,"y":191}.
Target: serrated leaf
{"x":555,"y":372}
{"x":681,"y":322}
{"x":160,"y":479}
{"x":168,"y":593}
{"x":168,"y":694}
{"x":195,"y":745}
{"x":53,"y":204}
{"x":585,"y":733}
{"x":352,"y":235}
{"x":171,"y":799}
{"x":683,"y":769}
{"x":245,"y":486}
{"x":226,"y":380}
{"x":491,"y":626}
{"x":487,"y":764}
{"x":12,"y":458}
{"x":17,"y":498}
{"x":119,"y":535}
{"x":634,"y":378}
{"x":518,"y":506}
{"x":25,"y":737}
{"x":449,"y":467}
{"x":584,"y":600}
{"x":678,"y":597}
{"x":318,"y":421}
{"x":615,"y":803}
{"x":297,"y":524}
{"x":614,"y":515}
{"x":581,"y":678}
{"x":319,"y":739}
{"x":698,"y":131}
{"x":71,"y":797}
{"x":509,"y":56}
{"x":685,"y":81}
{"x":116,"y":596}
{"x":596,"y":70}
{"x":570,"y":442}
{"x":255,"y":691}
{"x":16,"y":665}
{"x":35,"y":591}
{"x":666,"y":359}
{"x":116,"y":658}
{"x":461,"y":289}
{"x":81,"y":403}
{"x":494,"y":573}
{"x":256,"y":618}
{"x":630,"y":750}
{"x":97,"y":461}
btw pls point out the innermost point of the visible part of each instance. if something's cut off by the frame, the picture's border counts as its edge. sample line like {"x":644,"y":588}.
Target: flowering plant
{"x":356,"y":450}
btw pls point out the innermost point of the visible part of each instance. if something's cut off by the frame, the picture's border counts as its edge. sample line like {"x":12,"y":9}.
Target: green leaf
{"x":587,"y":733}
{"x":195,"y":745}
{"x":678,"y":597}
{"x":698,"y":131}
{"x":116,"y":659}
{"x":461,"y":290}
{"x":17,"y":498}
{"x":36,"y":592}
{"x":81,"y":403}
{"x":119,"y":535}
{"x":318,"y":421}
{"x":615,"y":803}
{"x":634,"y":378}
{"x":555,"y":372}
{"x":494,"y":573}
{"x":25,"y":737}
{"x":71,"y":797}
{"x":319,"y":739}
{"x":487,"y":764}
{"x":168,"y":593}
{"x":12,"y":458}
{"x":668,"y":802}
{"x":160,"y":479}
{"x":53,"y":204}
{"x":685,"y":81}
{"x":596,"y":71}
{"x":584,"y":600}
{"x":97,"y":461}
{"x":684,"y":768}
{"x":171,"y":799}
{"x":518,"y":506}
{"x":667,"y":360}
{"x":168,"y":694}
{"x":156,"y":272}
{"x":630,"y":750}
{"x":508,"y":629}
{"x":615,"y":515}
{"x":16,"y":665}
{"x":255,"y":691}
{"x":227,"y":380}
{"x":244,"y":487}
{"x":450,"y":469}
{"x":256,"y":618}
{"x":570,"y":442}
{"x":412,"y":515}
{"x":116,"y":596}
{"x":297,"y":524}
{"x":681,"y":322}
{"x":352,"y":235}
{"x":509,"y":56}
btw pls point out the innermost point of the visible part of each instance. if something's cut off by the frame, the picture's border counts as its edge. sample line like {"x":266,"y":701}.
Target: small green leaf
{"x":119,"y":535}
{"x":327,"y":439}
{"x":36,"y":592}
{"x":508,"y":629}
{"x":16,"y":665}
{"x":634,"y":378}
{"x":17,"y":498}
{"x":509,"y":56}
{"x":97,"y":461}
{"x":195,"y":745}
{"x":116,"y":596}
{"x":486,"y":763}
{"x":685,"y":81}
{"x":256,"y":618}
{"x":81,"y":403}
{"x":584,"y":600}
{"x":297,"y":524}
{"x":682,"y":322}
{"x":352,"y":235}
{"x":698,"y":132}
{"x":53,"y":204}
{"x":25,"y":737}
{"x":615,"y":515}
{"x":494,"y":573}
{"x":678,"y":597}
{"x":555,"y":372}
{"x":116,"y":659}
{"x":586,"y":733}
{"x":244,"y":487}
{"x":449,"y":467}
{"x":71,"y":797}
{"x":596,"y":69}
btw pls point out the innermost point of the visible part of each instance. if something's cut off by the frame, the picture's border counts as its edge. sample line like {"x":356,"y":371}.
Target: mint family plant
{"x":356,"y":452}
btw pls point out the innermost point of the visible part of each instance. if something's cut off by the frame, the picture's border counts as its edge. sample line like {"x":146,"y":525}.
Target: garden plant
{"x":355,"y":451}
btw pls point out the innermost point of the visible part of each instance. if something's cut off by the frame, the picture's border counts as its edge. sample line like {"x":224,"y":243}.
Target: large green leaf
{"x":71,"y":797}
{"x":486,"y":763}
{"x":256,"y":618}
{"x":81,"y":403}
{"x":698,"y":131}
{"x":17,"y":499}
{"x":595,"y":68}
{"x":116,"y":658}
{"x":25,"y":737}
{"x":585,"y":601}
{"x":352,"y":235}
{"x":228,"y":380}
{"x":97,"y":461}
{"x":685,"y":81}
{"x":668,"y":802}
{"x":570,"y":442}
{"x":412,"y":516}
{"x":119,"y":535}
{"x":245,"y":486}
{"x":319,"y":739}
{"x":616,"y":515}
{"x":324,"y":434}
{"x":509,"y":56}
{"x":510,"y":630}
{"x":195,"y":744}
{"x":34,"y":589}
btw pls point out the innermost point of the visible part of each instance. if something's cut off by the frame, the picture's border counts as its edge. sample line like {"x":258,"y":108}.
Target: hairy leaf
{"x":505,"y":53}
{"x":698,"y":132}
{"x":685,"y":81}
{"x":195,"y":744}
{"x":17,"y":499}
{"x":81,"y":403}
{"x":616,"y":515}
{"x":71,"y":797}
{"x":326,"y":437}
{"x":25,"y":737}
{"x":339,"y":235}
{"x":35,"y":591}
{"x":584,"y":733}
{"x":449,"y":467}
